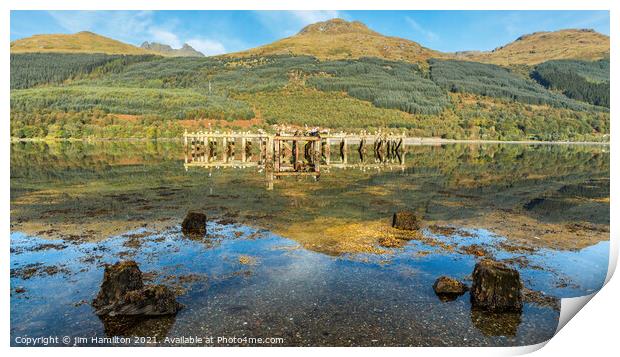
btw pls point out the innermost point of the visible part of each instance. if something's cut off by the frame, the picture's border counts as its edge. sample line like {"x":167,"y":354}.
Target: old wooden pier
{"x":291,"y":154}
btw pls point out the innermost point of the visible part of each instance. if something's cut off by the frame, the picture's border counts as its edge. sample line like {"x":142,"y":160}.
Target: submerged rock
{"x":194,"y":224}
{"x":541,"y":299}
{"x":406,"y":220}
{"x":496,"y":287}
{"x":448,"y":289}
{"x":123,"y":293}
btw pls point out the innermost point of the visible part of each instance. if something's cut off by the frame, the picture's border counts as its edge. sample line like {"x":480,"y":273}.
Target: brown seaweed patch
{"x":541,"y":299}
{"x":476,"y":250}
{"x":449,"y":231}
{"x":38,"y":269}
{"x":391,"y":242}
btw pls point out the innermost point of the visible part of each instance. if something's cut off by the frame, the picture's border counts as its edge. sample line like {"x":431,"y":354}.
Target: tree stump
{"x":123,"y":293}
{"x":496,"y":287}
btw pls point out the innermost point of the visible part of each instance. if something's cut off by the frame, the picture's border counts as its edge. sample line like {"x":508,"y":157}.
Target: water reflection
{"x":496,"y":324}
{"x":319,"y":276}
{"x":132,"y":326}
{"x":304,"y":297}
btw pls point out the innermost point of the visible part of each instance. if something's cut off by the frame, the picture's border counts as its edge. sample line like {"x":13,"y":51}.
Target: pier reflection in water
{"x":294,"y":154}
{"x":317,"y":274}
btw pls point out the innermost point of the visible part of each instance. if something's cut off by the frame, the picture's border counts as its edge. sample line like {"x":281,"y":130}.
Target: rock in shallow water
{"x":406,"y":220}
{"x":448,"y":289}
{"x":123,"y":293}
{"x":496,"y":287}
{"x":194,"y":224}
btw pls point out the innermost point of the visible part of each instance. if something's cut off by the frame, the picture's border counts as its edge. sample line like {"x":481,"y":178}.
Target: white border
{"x":599,"y":329}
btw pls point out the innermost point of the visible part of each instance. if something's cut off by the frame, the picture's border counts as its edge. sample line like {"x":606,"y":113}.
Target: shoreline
{"x":407,"y":141}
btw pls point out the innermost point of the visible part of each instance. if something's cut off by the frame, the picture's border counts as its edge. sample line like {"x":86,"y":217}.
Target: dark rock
{"x":194,"y":224}
{"x":124,"y":293}
{"x":406,"y":220}
{"x":448,"y":289}
{"x":151,"y":300}
{"x":118,"y":280}
{"x":496,"y":287}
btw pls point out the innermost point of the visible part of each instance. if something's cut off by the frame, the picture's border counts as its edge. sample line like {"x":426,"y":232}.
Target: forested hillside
{"x":95,"y":95}
{"x":581,"y":80}
{"x":31,"y":69}
{"x":495,"y":81}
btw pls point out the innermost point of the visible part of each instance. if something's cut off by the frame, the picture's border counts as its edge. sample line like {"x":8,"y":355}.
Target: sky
{"x":216,"y":32}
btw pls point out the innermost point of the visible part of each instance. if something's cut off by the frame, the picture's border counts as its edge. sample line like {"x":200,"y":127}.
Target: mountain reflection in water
{"x":318,"y":275}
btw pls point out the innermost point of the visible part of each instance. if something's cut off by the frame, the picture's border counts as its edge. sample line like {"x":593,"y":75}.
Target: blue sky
{"x":215,"y":32}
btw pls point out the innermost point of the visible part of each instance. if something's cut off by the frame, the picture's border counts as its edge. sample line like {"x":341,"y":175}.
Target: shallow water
{"x":312,"y":285}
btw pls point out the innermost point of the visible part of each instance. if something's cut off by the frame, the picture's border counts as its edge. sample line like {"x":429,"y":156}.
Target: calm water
{"x":313,"y":271}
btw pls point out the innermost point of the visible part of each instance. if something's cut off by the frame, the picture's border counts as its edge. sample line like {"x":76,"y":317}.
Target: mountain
{"x":539,"y":47}
{"x":165,"y":50}
{"x":340,"y":39}
{"x":88,"y":42}
{"x":81,"y":42}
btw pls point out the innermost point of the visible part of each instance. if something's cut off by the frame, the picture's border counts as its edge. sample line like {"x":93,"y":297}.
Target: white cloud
{"x":75,"y":21}
{"x":118,"y":24}
{"x":207,"y":46}
{"x":165,"y":37}
{"x":136,"y":27}
{"x":430,"y":35}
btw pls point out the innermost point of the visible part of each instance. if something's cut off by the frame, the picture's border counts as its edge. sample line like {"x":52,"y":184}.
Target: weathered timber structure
{"x":291,"y":154}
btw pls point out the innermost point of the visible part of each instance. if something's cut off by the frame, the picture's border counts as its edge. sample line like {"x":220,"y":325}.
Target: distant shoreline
{"x":408,"y":141}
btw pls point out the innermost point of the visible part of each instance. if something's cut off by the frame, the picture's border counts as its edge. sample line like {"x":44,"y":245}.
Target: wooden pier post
{"x":343,"y":150}
{"x":276,"y":154}
{"x":224,"y":149}
{"x":243,"y":149}
{"x":204,"y":151}
{"x":269,"y":161}
{"x":296,"y":154}
{"x":362,"y":149}
{"x":328,"y":151}
{"x":185,"y":147}
{"x":316,"y":146}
